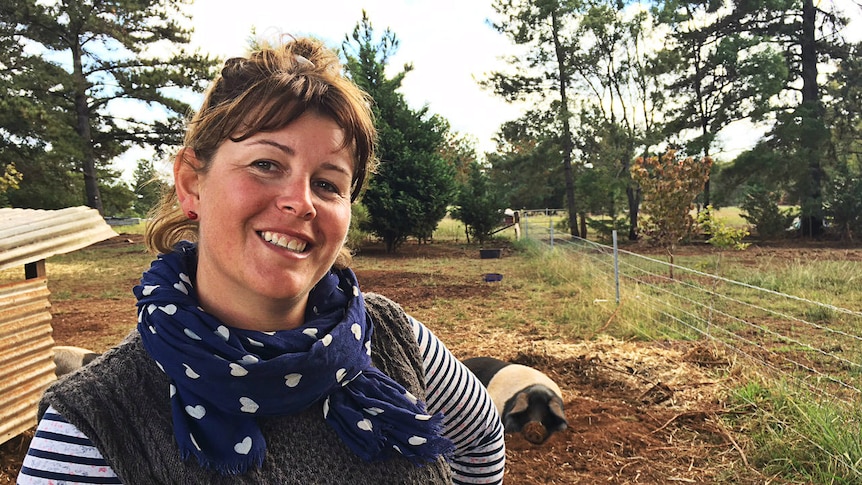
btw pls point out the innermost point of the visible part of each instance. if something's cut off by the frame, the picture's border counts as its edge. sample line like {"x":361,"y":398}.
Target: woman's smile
{"x":274,"y":213}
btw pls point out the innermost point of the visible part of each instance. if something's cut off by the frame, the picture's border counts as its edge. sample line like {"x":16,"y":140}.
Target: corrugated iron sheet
{"x":26,"y":358}
{"x":29,"y":235}
{"x":26,"y":355}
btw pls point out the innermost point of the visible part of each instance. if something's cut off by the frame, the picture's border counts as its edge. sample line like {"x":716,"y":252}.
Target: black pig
{"x":528,"y":401}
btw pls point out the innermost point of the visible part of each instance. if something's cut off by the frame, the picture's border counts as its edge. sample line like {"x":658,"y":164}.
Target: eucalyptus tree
{"x":112,"y":72}
{"x":526,"y":163}
{"x":586,"y":56}
{"x":413,"y":186}
{"x":724,"y":73}
{"x":621,"y":87}
{"x":543,"y":28}
{"x":799,"y":144}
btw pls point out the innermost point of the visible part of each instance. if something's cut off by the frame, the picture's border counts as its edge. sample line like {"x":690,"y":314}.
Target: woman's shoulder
{"x":124,"y":366}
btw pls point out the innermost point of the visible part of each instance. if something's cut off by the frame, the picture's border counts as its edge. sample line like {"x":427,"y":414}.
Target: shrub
{"x":843,"y":205}
{"x":760,"y":209}
{"x":718,"y":233}
{"x":358,"y":232}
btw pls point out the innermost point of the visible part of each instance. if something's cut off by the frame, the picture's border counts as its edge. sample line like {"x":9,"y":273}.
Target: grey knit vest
{"x":121,"y":403}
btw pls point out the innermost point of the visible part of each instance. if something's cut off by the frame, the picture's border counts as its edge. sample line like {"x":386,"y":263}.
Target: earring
{"x":192,"y":215}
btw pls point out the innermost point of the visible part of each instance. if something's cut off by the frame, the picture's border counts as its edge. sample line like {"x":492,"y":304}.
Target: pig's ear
{"x":521,"y":403}
{"x":556,"y":408}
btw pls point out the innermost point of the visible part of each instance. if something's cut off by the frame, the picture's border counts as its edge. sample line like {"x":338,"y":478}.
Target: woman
{"x":256,"y":358}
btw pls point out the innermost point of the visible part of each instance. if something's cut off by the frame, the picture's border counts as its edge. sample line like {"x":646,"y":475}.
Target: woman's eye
{"x":264,"y":165}
{"x":328,"y":187}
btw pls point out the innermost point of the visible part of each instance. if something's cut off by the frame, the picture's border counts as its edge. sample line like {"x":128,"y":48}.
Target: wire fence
{"x":804,"y":344}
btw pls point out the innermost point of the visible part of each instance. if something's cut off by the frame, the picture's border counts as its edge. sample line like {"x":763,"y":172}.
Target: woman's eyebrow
{"x":290,"y":151}
{"x":336,"y":167}
{"x":285,"y":148}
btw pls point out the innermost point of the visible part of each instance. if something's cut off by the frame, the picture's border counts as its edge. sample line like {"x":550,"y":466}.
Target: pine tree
{"x":413,"y":186}
{"x":91,"y":59}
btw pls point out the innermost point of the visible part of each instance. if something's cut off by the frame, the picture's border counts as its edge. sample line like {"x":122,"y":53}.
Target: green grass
{"x":795,"y":435}
{"x":81,"y":274}
{"x":566,"y":295}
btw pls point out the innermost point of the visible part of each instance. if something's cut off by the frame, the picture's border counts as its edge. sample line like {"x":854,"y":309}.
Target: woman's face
{"x":274,"y":212}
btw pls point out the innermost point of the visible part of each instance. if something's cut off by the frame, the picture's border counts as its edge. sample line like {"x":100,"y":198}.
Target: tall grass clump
{"x":583,"y":298}
{"x":795,"y":434}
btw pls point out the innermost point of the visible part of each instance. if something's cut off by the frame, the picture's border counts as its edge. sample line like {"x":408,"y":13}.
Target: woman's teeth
{"x":284,"y":241}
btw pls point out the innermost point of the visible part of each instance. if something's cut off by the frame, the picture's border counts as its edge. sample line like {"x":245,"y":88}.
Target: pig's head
{"x":536,"y":412}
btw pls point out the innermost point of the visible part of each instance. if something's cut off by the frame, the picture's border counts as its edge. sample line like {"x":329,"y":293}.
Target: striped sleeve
{"x":60,"y":453}
{"x":471,"y":421}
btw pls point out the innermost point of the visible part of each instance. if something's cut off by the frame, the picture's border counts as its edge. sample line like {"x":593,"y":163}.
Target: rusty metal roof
{"x":29,"y":235}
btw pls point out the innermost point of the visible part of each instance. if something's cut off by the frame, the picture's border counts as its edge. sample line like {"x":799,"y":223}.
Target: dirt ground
{"x":638,"y":412}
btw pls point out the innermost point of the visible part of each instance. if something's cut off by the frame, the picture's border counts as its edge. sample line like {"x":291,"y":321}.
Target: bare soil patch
{"x":639,"y":412}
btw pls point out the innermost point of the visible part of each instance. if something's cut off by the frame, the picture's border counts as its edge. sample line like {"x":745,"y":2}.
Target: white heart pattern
{"x":292,"y":380}
{"x":237,"y":370}
{"x":148,"y":289}
{"x":364,"y":425}
{"x":194,"y":441}
{"x":184,"y":277}
{"x":311,"y":332}
{"x":243,"y":447}
{"x":327,"y":339}
{"x":248,"y":405}
{"x":373,"y":411}
{"x":357,"y":331}
{"x":190,"y":334}
{"x":169,"y":309}
{"x":196,"y":412}
{"x":190,"y":372}
{"x":254,"y":342}
{"x":223,"y":332}
{"x":417,"y":440}
{"x":181,"y":287}
{"x":339,"y":374}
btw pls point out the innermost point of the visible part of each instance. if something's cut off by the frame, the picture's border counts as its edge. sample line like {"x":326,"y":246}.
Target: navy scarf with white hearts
{"x":222,"y":378}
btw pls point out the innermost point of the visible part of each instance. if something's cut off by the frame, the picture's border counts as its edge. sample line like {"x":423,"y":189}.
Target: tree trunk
{"x":82,"y":110}
{"x":583,"y":225}
{"x":571,"y":206}
{"x":814,"y":133}
{"x":634,"y":205}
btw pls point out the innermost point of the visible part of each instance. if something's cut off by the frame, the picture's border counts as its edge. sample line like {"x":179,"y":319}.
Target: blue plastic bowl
{"x":492,"y":277}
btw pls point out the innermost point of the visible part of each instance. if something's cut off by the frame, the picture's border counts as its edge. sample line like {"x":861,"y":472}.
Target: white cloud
{"x":448,"y":42}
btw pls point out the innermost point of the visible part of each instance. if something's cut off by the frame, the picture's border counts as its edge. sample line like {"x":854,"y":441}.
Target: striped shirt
{"x":61,"y":454}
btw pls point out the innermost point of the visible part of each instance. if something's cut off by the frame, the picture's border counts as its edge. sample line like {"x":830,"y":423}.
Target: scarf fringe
{"x":226,"y":467}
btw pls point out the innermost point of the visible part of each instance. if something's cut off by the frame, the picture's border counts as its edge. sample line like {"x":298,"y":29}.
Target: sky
{"x":449,"y":42}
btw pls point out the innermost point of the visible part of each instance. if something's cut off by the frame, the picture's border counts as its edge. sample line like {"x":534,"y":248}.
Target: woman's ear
{"x":187,"y":179}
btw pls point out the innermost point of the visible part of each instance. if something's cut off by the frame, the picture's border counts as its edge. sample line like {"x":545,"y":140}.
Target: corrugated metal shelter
{"x":27,"y":238}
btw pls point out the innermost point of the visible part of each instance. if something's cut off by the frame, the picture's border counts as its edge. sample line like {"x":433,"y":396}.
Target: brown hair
{"x":266,"y":91}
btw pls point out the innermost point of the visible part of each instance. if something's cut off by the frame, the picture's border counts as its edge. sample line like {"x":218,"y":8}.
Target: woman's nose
{"x":296,"y":198}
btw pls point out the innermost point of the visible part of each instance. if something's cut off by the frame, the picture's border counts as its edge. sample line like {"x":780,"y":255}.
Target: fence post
{"x":550,"y":226}
{"x":616,"y":267}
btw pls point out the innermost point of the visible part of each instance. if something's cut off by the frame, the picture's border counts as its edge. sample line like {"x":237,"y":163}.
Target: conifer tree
{"x":96,"y":78}
{"x":414,"y":184}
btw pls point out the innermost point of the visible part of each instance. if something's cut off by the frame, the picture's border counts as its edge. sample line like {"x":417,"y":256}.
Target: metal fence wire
{"x":804,"y":344}
{"x":813,"y":344}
